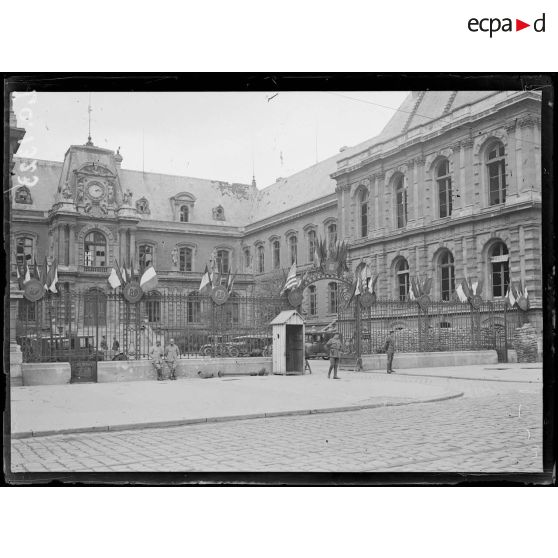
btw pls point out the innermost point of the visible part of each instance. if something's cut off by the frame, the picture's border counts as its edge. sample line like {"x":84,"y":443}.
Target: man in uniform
{"x":334,"y":346}
{"x":156,"y":354}
{"x":171,"y":356}
{"x":389,"y":348}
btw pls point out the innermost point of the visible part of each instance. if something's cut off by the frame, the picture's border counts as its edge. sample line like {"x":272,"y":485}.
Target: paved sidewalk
{"x":46,"y":410}
{"x":501,"y":372}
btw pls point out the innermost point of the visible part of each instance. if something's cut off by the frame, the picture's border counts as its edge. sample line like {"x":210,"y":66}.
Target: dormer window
{"x":23,"y":195}
{"x":184,"y":214}
{"x":142,"y":206}
{"x":183,"y":207}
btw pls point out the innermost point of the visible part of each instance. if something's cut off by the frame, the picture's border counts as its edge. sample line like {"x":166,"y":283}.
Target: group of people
{"x":334,"y":346}
{"x":168,"y":355}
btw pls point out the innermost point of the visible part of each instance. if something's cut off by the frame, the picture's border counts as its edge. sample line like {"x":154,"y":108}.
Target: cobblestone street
{"x":496,"y":427}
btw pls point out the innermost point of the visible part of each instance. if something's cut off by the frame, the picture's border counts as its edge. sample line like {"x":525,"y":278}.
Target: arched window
{"x":23,"y":195}
{"x":95,"y":250}
{"x":153,"y":307}
{"x":311,"y":245}
{"x":276,"y":250}
{"x":24,"y":251}
{"x":331,"y":235}
{"x":193,"y":308}
{"x":145,"y":255}
{"x":402,"y":279}
{"x":363,"y":204}
{"x":261,"y":259}
{"x":496,"y":167}
{"x":95,"y":308}
{"x":401,"y":201}
{"x":223,"y":261}
{"x":447,"y":275}
{"x":185,"y":259}
{"x":332,"y":298}
{"x":184,"y":213}
{"x":312,"y":300}
{"x":443,"y":179}
{"x":293,"y":246}
{"x":247,"y":259}
{"x":500,"y":269}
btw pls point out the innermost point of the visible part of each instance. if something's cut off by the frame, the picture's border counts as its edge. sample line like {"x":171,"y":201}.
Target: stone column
{"x":469,"y":182}
{"x":133,"y":247}
{"x":72,"y":249}
{"x":458,"y":182}
{"x":514,"y":166}
{"x":16,"y":377}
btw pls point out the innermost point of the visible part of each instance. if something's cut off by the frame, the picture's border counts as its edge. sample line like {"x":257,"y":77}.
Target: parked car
{"x":315,"y":345}
{"x":251,"y":345}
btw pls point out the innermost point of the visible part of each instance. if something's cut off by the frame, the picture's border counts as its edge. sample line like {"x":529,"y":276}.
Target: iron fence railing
{"x":100,"y":326}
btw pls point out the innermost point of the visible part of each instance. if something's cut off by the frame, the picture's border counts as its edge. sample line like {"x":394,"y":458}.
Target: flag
{"x":230,"y":282}
{"x":119,"y":272}
{"x":27,"y":272}
{"x":20,"y":279}
{"x":52,"y":277}
{"x":510,"y":297}
{"x":148,"y":279}
{"x":474,"y":287}
{"x":316,"y":258}
{"x":132,"y":270}
{"x":291,"y":279}
{"x":44,"y":275}
{"x":525,"y":293}
{"x":206,"y":279}
{"x":414,"y":291}
{"x":36,"y":270}
{"x":113,"y":279}
{"x":460,"y":293}
{"x":466,"y":289}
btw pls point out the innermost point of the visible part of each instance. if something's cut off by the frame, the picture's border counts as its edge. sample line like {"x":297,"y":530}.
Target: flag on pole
{"x":474,"y":287}
{"x":148,"y":279}
{"x":291,"y":281}
{"x":36,"y":270}
{"x":115,"y":280}
{"x":465,"y":287}
{"x":205,"y":280}
{"x":460,"y":293}
{"x":27,"y":272}
{"x":44,"y":275}
{"x":52,"y":277}
{"x":20,"y":279}
{"x":230,"y":282}
{"x":510,"y":297}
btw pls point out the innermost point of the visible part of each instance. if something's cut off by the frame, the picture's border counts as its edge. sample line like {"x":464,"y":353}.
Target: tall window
{"x":363,"y":204}
{"x":293,"y":244}
{"x":496,"y":164}
{"x":443,"y":180}
{"x":153,"y":308}
{"x":194,"y":308}
{"x":402,"y":279}
{"x":24,"y":250}
{"x":223,"y":262}
{"x":500,"y":269}
{"x":185,"y":258}
{"x":312,"y":300}
{"x":261,"y":259}
{"x":311,"y":245}
{"x":95,"y":250}
{"x":247,"y":258}
{"x":26,"y":310}
{"x":401,"y":201}
{"x":331,"y":235}
{"x":95,"y":308}
{"x":332,"y":298}
{"x":447,"y":275}
{"x":67,"y":233}
{"x":184,"y":213}
{"x":276,"y":249}
{"x":145,"y":252}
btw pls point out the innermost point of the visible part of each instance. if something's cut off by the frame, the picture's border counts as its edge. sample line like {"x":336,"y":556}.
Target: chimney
{"x":117,"y":159}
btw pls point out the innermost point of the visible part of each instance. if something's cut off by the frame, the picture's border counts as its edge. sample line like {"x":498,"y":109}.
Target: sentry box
{"x":288,"y":343}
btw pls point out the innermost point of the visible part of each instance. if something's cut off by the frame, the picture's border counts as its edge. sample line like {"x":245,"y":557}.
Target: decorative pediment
{"x":95,"y":169}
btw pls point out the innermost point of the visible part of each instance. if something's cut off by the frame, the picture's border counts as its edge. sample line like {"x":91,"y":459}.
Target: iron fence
{"x":98,"y":326}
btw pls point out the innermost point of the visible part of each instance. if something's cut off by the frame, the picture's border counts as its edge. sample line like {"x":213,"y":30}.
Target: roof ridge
{"x":420,"y":97}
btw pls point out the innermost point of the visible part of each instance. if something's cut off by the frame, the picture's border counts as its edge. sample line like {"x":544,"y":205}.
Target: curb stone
{"x":231,"y":418}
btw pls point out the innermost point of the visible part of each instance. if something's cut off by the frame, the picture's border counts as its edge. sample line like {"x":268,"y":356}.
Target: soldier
{"x":389,"y":349}
{"x":156,"y":354}
{"x":171,"y":355}
{"x":334,"y":346}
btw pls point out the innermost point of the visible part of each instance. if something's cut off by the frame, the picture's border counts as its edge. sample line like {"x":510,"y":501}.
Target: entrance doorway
{"x":294,"y":349}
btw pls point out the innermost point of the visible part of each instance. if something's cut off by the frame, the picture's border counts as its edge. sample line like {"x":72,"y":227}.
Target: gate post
{"x":358,"y":333}
{"x":16,"y":358}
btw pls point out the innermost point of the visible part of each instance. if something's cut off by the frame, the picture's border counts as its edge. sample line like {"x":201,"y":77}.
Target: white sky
{"x":208,"y":135}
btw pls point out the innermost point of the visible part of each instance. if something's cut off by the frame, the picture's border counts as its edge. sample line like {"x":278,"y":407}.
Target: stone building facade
{"x":450,"y":188}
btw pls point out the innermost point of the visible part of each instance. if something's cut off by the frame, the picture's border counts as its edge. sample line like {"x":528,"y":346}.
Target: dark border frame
{"x":53,"y":82}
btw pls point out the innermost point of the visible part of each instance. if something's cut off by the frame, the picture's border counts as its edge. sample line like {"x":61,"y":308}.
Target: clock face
{"x":95,"y":190}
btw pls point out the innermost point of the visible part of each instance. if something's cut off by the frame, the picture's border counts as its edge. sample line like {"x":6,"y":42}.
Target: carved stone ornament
{"x":510,"y":126}
{"x":423,"y":301}
{"x":295,"y":297}
{"x":127,"y":197}
{"x":219,"y":213}
{"x":476,"y":302}
{"x":219,"y":295}
{"x":67,"y":191}
{"x":367,"y":299}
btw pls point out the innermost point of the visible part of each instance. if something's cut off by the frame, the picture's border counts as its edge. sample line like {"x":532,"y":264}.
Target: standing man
{"x":115,"y":344}
{"x":389,"y":349}
{"x":334,"y":346}
{"x":156,"y":354}
{"x":171,"y":355}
